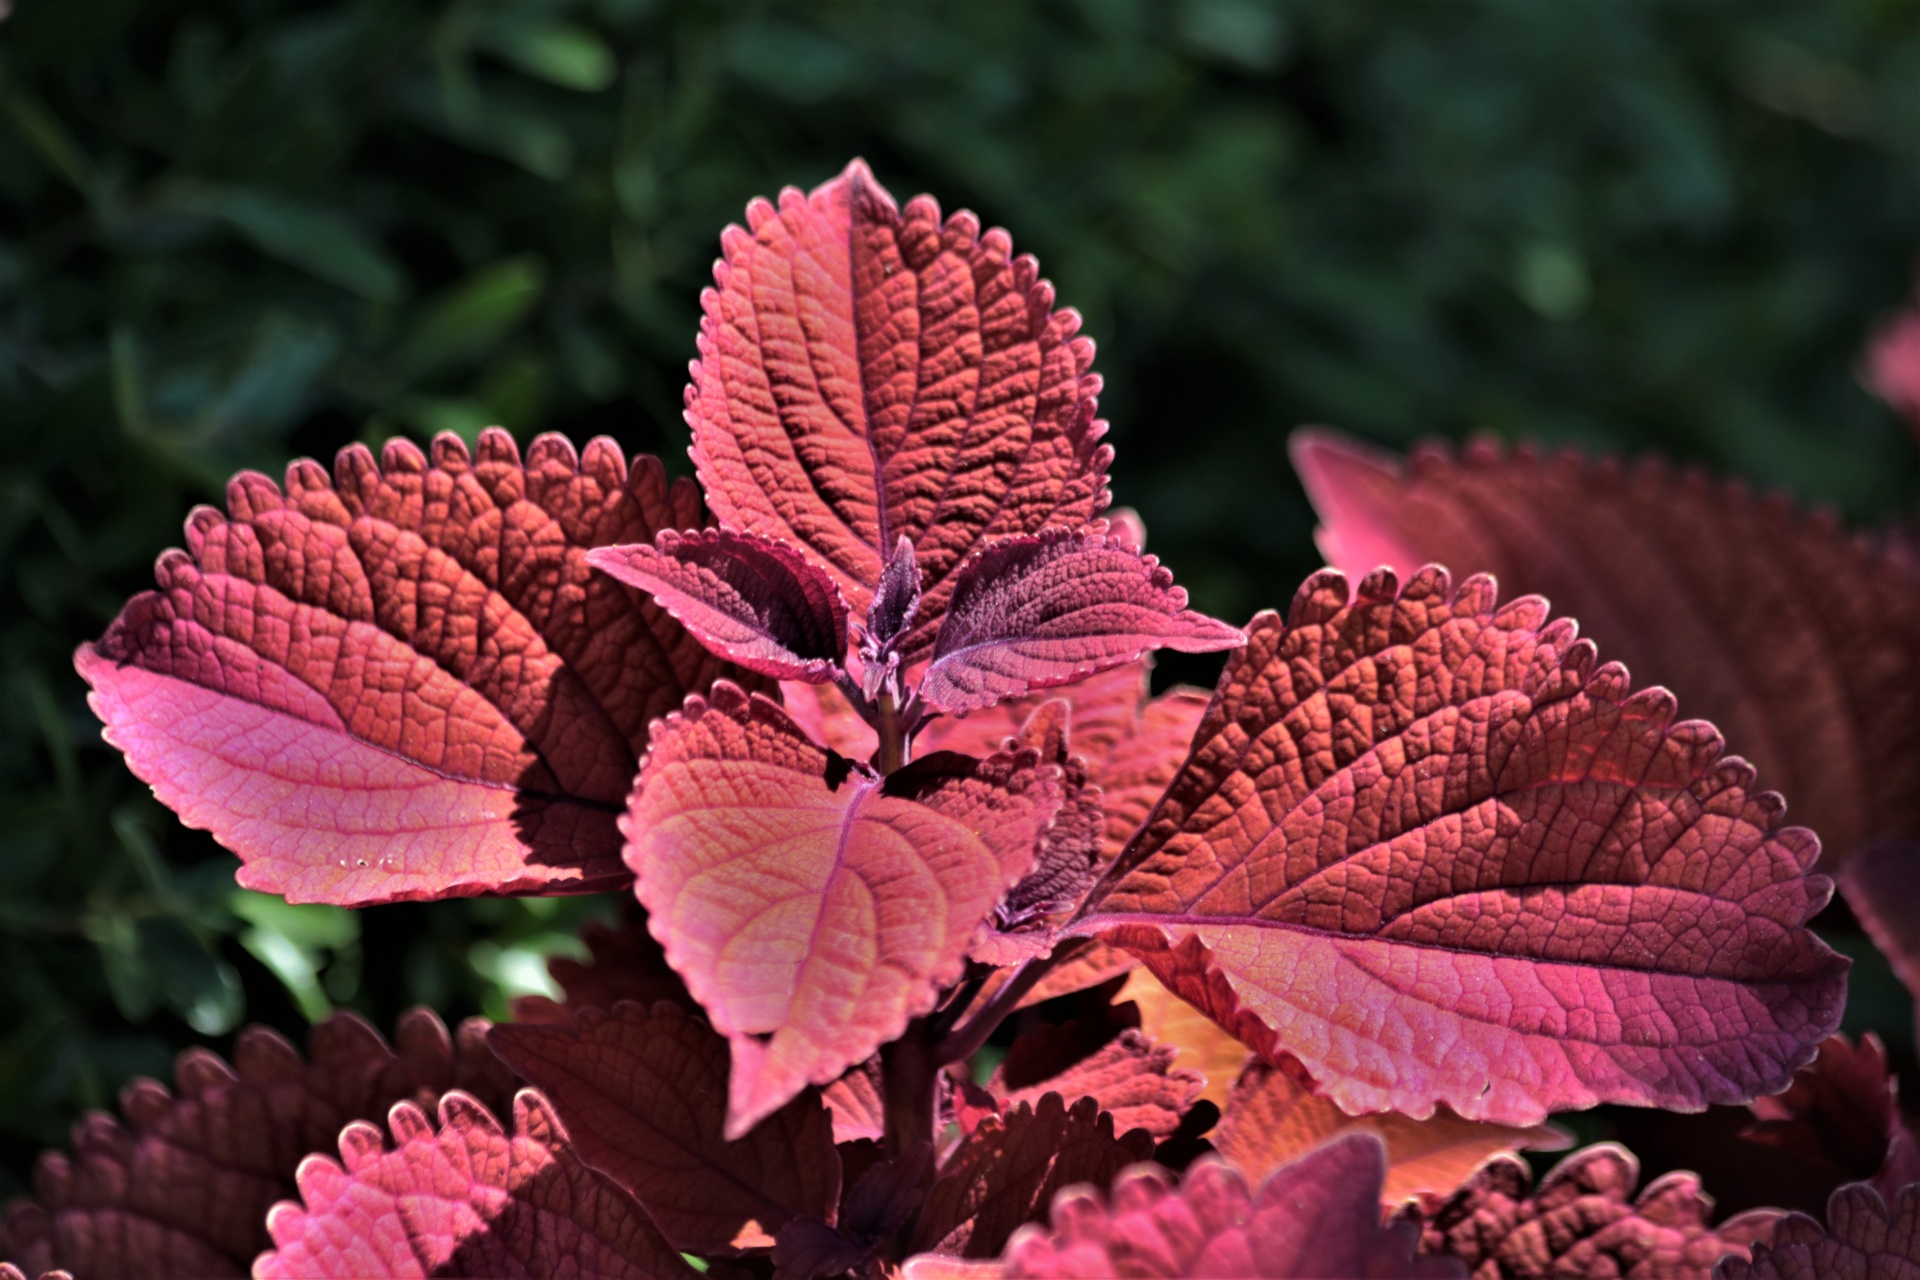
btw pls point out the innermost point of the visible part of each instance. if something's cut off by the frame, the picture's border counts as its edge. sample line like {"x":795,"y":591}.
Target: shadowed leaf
{"x":1862,"y":1240}
{"x":624,"y":963}
{"x":1130,"y":1077}
{"x":1841,"y":1118}
{"x":1881,"y":884}
{"x":1443,"y":856}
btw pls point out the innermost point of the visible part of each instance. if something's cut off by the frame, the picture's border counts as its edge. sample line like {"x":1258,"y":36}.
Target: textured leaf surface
{"x":182,"y":1188}
{"x":1009,"y":1168}
{"x":1274,"y":1117}
{"x":1801,"y":645}
{"x":1035,"y":612}
{"x":813,"y":910}
{"x":643,"y":1092}
{"x":1447,"y":858}
{"x":1065,"y":860}
{"x":1862,"y":1240}
{"x":1318,"y":1217}
{"x":1198,"y":1042}
{"x":466,"y":1200}
{"x":403,"y":681}
{"x":1841,"y":1118}
{"x":1130,"y":1077}
{"x":754,"y":601}
{"x":868,"y":372}
{"x":1881,"y":884}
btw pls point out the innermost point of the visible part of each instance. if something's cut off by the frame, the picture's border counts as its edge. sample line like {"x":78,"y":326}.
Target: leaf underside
{"x":1434,"y":850}
{"x":403,"y":681}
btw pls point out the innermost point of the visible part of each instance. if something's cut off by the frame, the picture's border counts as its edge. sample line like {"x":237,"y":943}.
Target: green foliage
{"x":235,"y":232}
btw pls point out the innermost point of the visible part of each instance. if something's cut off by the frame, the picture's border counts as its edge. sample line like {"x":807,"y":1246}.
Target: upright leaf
{"x":1801,"y":644}
{"x":814,"y":909}
{"x":1130,"y":1077}
{"x":465,"y":1199}
{"x":868,"y":372}
{"x":1034,"y":612}
{"x":1434,"y":850}
{"x":1863,"y":1239}
{"x":1840,"y":1119}
{"x":404,"y":681}
{"x":1882,"y":885}
{"x":643,"y":1091}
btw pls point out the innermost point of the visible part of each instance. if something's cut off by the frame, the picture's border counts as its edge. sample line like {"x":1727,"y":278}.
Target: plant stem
{"x":892,"y":730}
{"x":909,"y":1075}
{"x":965,"y":1040}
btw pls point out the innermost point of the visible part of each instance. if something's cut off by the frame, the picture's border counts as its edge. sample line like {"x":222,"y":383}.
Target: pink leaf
{"x":404,"y":681}
{"x":1319,"y":1216}
{"x":466,"y":1200}
{"x":1130,"y":1077}
{"x":1579,"y":1222}
{"x":1034,"y":612}
{"x":183,"y":1188}
{"x":1009,"y":1168}
{"x":1893,"y":365}
{"x":1881,"y":884}
{"x":1437,"y":852}
{"x":1801,"y":644}
{"x":754,"y":601}
{"x":1863,"y":1240}
{"x":814,"y":910}
{"x":644,"y":1094}
{"x":868,"y":373}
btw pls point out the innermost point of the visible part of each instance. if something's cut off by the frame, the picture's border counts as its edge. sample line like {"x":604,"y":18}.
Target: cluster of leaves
{"x":1421,"y":872}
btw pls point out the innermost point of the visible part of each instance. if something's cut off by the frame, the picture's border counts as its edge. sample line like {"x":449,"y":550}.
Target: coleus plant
{"x":867,"y":736}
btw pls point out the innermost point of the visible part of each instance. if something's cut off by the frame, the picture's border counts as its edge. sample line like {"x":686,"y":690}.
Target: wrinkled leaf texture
{"x":1199,"y":1044}
{"x":465,"y":1199}
{"x":182,"y":1188}
{"x":1435,"y":850}
{"x":1130,"y":1077}
{"x":1801,"y":644}
{"x":813,"y":910}
{"x":643,"y":1092}
{"x":1863,"y":1239}
{"x":868,"y":372}
{"x":403,"y":681}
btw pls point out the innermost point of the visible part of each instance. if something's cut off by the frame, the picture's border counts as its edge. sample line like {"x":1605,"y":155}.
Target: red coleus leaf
{"x":624,"y":962}
{"x":644,"y":1094}
{"x":1862,"y":1240}
{"x":813,"y":909}
{"x":1882,"y":885}
{"x":754,"y":601}
{"x":1841,"y":1118}
{"x":1008,"y":1169}
{"x":877,"y":1206}
{"x":1274,"y":1116}
{"x":1198,"y":1042}
{"x":466,"y":1200}
{"x":10,"y":1272}
{"x":868,"y":372}
{"x":1319,"y":1216}
{"x":183,"y":1188}
{"x":1800,"y":644}
{"x":1049,"y":609}
{"x":859,"y":1109}
{"x":1580,"y":1222}
{"x":1130,"y":1077}
{"x":1444,"y":857}
{"x":1893,"y":364}
{"x":403,"y":681}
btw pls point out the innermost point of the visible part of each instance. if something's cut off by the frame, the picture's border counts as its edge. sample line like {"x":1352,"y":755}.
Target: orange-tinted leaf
{"x":1863,"y":1239}
{"x":644,"y":1094}
{"x":1129,"y":1077}
{"x":1198,"y":1042}
{"x":1445,"y":857}
{"x":1800,"y":644}
{"x":814,"y":909}
{"x":868,"y":372}
{"x":403,"y":681}
{"x":1275,"y":1117}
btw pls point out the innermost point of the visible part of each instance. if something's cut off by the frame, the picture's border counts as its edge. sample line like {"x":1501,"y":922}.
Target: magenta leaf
{"x":643,"y":1092}
{"x":403,"y":681}
{"x":182,"y":1189}
{"x":869,"y":372}
{"x":1800,"y":643}
{"x":754,"y":601}
{"x":1893,"y":364}
{"x":1440,"y":854}
{"x":1863,"y":1239}
{"x":1130,"y":1077}
{"x":1049,"y":609}
{"x":814,"y":909}
{"x":1580,"y":1221}
{"x":896,"y":602}
{"x":1317,"y":1217}
{"x":467,"y":1199}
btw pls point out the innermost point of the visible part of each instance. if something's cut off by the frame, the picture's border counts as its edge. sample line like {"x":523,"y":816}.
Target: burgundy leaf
{"x":1579,"y":1222}
{"x":1048,"y":609}
{"x":403,"y":681}
{"x":877,"y":1206}
{"x":644,"y":1093}
{"x":813,"y":910}
{"x":868,"y":373}
{"x":1446,"y":857}
{"x":1008,"y":1169}
{"x":1881,"y":883}
{"x":1319,"y":1217}
{"x":1801,"y":644}
{"x":754,"y":601}
{"x":466,"y":1200}
{"x":896,"y":601}
{"x":1130,"y":1077}
{"x":10,"y":1272}
{"x":1067,"y":857}
{"x":1863,"y":1240}
{"x":1841,"y":1118}
{"x":624,"y":962}
{"x":183,"y":1188}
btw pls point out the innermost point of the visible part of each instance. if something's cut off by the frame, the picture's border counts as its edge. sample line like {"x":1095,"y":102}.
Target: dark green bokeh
{"x":232,"y":233}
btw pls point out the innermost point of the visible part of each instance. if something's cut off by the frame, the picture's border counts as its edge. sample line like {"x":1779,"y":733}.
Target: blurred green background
{"x":231,"y":233}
